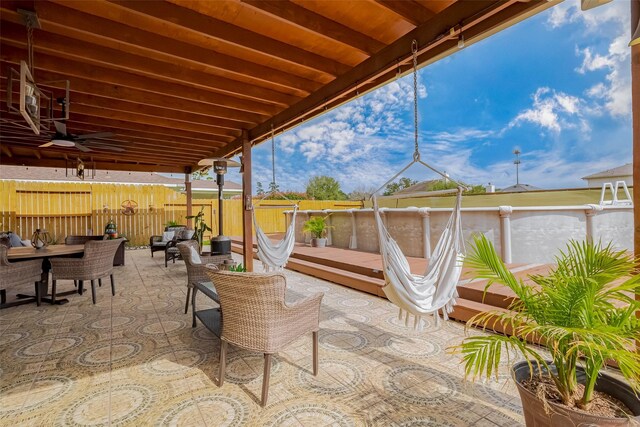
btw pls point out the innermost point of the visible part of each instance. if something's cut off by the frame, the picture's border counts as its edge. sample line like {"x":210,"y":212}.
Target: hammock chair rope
{"x":274,"y":256}
{"x":435,"y":290}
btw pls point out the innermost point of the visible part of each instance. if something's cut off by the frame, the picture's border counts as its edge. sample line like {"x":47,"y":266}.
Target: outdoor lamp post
{"x":220,"y":244}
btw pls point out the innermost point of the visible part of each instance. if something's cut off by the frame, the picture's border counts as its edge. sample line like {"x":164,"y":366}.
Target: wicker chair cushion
{"x":167,"y":236}
{"x":195,"y":256}
{"x":158,"y":244}
{"x":184,"y":234}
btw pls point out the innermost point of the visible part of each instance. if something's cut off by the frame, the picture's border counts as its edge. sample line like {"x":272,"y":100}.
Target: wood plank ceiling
{"x":179,"y":80}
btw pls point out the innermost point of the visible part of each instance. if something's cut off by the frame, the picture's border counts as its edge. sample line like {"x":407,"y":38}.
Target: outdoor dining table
{"x":51,"y":251}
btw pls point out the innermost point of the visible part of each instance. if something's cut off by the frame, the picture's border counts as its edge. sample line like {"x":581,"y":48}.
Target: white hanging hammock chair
{"x":435,"y":290}
{"x":274,"y":256}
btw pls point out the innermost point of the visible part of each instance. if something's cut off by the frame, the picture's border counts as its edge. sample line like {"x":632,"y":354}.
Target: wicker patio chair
{"x":156,"y":243}
{"x":96,"y":263}
{"x":14,"y":274}
{"x":171,"y":252}
{"x":257,"y":318}
{"x":196,"y":271}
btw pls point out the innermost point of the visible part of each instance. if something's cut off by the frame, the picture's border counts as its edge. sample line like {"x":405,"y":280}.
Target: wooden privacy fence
{"x":85,"y":208}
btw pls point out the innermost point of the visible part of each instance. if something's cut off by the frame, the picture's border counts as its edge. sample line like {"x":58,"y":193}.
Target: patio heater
{"x":221,"y":244}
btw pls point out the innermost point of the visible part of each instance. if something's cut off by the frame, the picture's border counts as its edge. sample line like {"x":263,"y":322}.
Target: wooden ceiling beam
{"x":146,"y":139}
{"x":93,"y":111}
{"x":99,"y":165}
{"x":306,"y":19}
{"x":410,"y":10}
{"x":69,"y":59}
{"x":218,"y":84}
{"x":152,"y":130}
{"x":126,"y":141}
{"x":148,"y":110}
{"x":111,"y":22}
{"x":96,"y":152}
{"x":178,"y":106}
{"x":216,"y":63}
{"x":124,"y":126}
{"x":130,"y":153}
{"x":83,"y":104}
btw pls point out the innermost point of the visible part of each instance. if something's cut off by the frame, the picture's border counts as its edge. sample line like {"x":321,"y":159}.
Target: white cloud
{"x":348,"y":133}
{"x":613,"y":96}
{"x":554,"y":111}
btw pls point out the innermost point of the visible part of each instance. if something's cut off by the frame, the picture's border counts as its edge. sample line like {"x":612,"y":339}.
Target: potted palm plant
{"x":317,"y":227}
{"x":584,"y":313}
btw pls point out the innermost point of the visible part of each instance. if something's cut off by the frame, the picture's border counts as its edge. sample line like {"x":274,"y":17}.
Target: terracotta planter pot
{"x":319,"y":243}
{"x":560,"y":416}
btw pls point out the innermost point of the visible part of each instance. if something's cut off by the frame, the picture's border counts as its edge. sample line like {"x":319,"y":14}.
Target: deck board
{"x":363,"y":271}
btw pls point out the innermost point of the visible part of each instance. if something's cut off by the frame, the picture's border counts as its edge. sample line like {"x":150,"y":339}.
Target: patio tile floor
{"x":134,"y":359}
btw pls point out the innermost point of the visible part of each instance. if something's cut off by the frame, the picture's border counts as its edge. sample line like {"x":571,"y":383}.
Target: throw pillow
{"x":167,"y":236}
{"x":195,"y":256}
{"x":16,"y":241}
{"x":188,"y":234}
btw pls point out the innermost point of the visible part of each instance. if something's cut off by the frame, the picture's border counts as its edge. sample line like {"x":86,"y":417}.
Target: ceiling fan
{"x":62,"y":138}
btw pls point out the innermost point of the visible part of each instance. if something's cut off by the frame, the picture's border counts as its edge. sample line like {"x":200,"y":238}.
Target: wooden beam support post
{"x":247,"y":211}
{"x":189,"y":193}
{"x":635,"y":108}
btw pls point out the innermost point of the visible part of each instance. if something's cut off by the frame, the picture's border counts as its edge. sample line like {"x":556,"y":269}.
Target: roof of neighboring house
{"x":519,"y":188}
{"x":624,"y":170}
{"x":115,"y":177}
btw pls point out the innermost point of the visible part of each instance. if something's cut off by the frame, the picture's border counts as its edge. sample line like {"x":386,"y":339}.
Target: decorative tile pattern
{"x":134,"y":359}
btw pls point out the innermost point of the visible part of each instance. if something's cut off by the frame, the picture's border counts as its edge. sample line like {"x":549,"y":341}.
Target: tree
{"x":259,"y":189}
{"x":442,"y":185}
{"x":202,"y":174}
{"x":273,"y":187}
{"x":435,"y":185}
{"x":362,"y":192}
{"x":397,"y":186}
{"x":324,"y":188}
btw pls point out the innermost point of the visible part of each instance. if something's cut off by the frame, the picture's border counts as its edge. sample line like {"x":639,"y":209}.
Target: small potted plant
{"x":317,"y":227}
{"x":584,"y":313}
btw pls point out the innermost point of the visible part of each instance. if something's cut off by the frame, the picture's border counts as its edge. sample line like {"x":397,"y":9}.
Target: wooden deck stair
{"x":363,"y":271}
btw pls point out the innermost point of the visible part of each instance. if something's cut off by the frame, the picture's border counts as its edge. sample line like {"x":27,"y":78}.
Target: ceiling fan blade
{"x":46,"y":144}
{"x":60,"y":127}
{"x":82,"y":147}
{"x":95,"y":135}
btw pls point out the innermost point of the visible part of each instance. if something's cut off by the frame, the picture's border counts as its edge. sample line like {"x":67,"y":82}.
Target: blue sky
{"x":557,"y":86}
